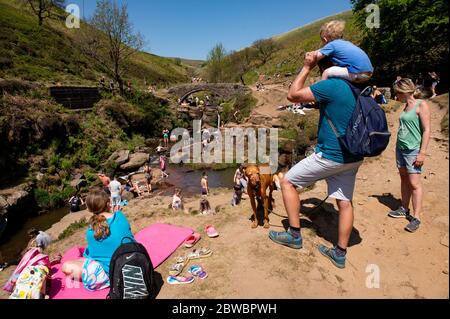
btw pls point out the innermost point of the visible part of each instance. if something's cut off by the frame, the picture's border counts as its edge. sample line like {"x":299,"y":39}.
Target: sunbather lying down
{"x":297,"y":107}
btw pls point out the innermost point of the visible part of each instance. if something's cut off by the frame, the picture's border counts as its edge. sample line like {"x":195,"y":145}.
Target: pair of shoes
{"x":413,"y":225}
{"x":199,"y":253}
{"x":198,"y":271}
{"x":399,"y":213}
{"x":192,"y":240}
{"x":211,"y":231}
{"x":179,"y":280}
{"x":286,"y":239}
{"x":176,"y":268}
{"x":330,"y":253}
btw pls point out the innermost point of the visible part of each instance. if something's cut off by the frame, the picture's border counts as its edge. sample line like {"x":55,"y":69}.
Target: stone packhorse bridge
{"x":222,"y":89}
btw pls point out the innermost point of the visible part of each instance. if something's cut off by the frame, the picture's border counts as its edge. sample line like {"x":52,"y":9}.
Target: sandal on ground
{"x":199,"y":253}
{"x":181,"y":259}
{"x":192,"y":240}
{"x":176,"y":269}
{"x":198,"y":271}
{"x":179,"y":280}
{"x":211,"y":231}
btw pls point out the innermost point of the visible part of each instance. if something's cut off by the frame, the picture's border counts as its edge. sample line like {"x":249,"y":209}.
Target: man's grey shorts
{"x":116,"y":200}
{"x":340,"y":177}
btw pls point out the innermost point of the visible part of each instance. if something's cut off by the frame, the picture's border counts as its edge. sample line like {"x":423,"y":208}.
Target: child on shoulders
{"x":351,"y":62}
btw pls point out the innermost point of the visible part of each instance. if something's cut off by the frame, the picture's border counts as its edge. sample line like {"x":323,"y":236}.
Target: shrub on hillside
{"x":237,"y":108}
{"x":15,"y":86}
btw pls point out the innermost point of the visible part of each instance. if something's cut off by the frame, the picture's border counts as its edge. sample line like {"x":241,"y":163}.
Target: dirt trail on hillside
{"x":269,"y":99}
{"x":247,"y":264}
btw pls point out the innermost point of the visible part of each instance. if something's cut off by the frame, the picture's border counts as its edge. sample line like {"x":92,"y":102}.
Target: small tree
{"x":412,"y":37}
{"x":216,"y":64}
{"x":265,"y":49}
{"x":240,"y":63}
{"x":44,"y":9}
{"x":116,"y":44}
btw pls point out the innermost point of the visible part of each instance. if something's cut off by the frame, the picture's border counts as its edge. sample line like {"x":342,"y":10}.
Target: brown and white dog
{"x":259,"y":179}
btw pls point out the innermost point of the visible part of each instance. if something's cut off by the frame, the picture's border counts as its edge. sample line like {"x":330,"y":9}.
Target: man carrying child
{"x":338,"y":61}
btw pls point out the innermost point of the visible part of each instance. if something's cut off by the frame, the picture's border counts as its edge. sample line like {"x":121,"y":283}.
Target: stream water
{"x":186,"y":179}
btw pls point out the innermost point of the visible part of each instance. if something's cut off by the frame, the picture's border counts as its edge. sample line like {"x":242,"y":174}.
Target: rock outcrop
{"x":119,"y":157}
{"x":17,"y":204}
{"x":136,"y":161}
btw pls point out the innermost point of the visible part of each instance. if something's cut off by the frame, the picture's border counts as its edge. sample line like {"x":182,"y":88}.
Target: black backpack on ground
{"x":75,"y":204}
{"x":131,"y":273}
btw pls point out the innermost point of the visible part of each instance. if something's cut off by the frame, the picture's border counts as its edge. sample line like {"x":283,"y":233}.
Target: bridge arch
{"x":186,"y":95}
{"x":221,"y":89}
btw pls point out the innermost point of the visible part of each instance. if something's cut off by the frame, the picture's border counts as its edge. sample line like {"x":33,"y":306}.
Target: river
{"x":186,"y":179}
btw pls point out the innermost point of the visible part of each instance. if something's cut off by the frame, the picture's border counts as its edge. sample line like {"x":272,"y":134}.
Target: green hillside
{"x":51,"y":54}
{"x":290,"y":51}
{"x":294,"y":44}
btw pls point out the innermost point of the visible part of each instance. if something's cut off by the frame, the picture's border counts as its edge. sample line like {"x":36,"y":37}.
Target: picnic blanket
{"x":160,"y":240}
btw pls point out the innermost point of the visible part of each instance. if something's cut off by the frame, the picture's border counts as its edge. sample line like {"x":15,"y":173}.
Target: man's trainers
{"x":399,"y":213}
{"x":330,"y":253}
{"x":286,"y":239}
{"x":413,"y":225}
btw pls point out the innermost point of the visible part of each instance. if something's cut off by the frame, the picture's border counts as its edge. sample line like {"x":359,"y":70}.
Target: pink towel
{"x":160,"y":240}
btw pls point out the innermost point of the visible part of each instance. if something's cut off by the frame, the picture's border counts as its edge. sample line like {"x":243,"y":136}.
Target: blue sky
{"x":190,"y":28}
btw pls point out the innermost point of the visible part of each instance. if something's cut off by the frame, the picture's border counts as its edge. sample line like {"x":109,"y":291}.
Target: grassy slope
{"x":51,"y":55}
{"x":297,"y":42}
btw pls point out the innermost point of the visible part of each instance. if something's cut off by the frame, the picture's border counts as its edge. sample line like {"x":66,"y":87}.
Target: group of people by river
{"x":341,"y":65}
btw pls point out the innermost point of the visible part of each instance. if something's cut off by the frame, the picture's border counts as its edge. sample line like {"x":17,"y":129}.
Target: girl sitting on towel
{"x":106,"y":232}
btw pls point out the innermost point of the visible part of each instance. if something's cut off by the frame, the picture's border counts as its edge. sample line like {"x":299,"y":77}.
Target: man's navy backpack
{"x":131,"y":273}
{"x":367,"y":133}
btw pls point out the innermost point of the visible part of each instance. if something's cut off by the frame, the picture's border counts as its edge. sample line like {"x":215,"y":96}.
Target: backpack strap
{"x":333,"y":128}
{"x":356,"y":92}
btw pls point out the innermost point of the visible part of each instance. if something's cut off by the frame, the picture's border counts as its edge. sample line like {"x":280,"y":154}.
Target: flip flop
{"x":192,"y":240}
{"x":179,"y":280}
{"x":199,"y":253}
{"x":198,"y":271}
{"x":211,"y":231}
{"x":181,"y":259}
{"x":176,"y":269}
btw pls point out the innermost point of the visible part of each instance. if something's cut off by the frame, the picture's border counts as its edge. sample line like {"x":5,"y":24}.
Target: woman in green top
{"x":412,"y":142}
